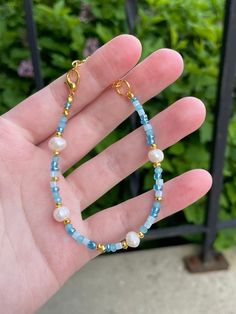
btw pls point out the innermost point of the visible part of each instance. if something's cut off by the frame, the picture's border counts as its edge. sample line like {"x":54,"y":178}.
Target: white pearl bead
{"x":61,"y":213}
{"x":132,"y":239}
{"x":155,"y":155}
{"x":57,"y":143}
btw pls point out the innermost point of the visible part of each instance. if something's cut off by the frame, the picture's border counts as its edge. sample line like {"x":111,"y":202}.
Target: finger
{"x":125,"y":156}
{"x":38,"y":115}
{"x":100,"y":117}
{"x":112,"y":224}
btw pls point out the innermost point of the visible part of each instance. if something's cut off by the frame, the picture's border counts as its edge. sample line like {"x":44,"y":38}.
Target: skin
{"x":36,"y":255}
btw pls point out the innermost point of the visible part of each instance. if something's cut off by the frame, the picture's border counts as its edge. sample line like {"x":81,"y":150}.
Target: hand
{"x":37,"y":256}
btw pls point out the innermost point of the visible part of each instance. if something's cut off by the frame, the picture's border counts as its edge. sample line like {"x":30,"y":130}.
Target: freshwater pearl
{"x":57,"y":143}
{"x":132,"y":239}
{"x":155,"y":155}
{"x":61,"y":213}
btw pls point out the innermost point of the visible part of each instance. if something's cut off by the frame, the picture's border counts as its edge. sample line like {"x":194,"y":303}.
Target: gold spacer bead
{"x":159,"y":198}
{"x":58,"y":134}
{"x":54,"y":179}
{"x":66,"y":112}
{"x":141,"y":235}
{"x":70,"y":99}
{"x":58,"y":204}
{"x":66,"y":221}
{"x":156,"y":164}
{"x":124,"y":244}
{"x":101,"y":247}
{"x":153,"y":146}
{"x":56,"y":153}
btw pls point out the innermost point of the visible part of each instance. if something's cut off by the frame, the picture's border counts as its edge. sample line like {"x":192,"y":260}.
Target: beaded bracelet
{"x":58,"y":143}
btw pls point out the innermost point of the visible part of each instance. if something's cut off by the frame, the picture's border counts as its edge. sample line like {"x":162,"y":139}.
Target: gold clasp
{"x":73,"y":76}
{"x":123,"y":88}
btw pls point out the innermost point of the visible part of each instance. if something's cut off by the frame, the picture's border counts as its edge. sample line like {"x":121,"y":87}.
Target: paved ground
{"x":152,"y":281}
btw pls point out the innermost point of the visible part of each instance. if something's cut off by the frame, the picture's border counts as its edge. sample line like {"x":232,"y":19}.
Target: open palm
{"x":36,"y":255}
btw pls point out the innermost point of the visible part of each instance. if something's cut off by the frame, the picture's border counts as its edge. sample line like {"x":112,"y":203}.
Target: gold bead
{"x":66,"y":221}
{"x":56,"y":153}
{"x":153,"y":146}
{"x":159,"y":198}
{"x":141,"y":235}
{"x":70,"y":99}
{"x":58,"y":204}
{"x":101,"y":247}
{"x":156,"y":164}
{"x":54,"y":179}
{"x":58,"y":134}
{"x":66,"y":112}
{"x":124,"y":244}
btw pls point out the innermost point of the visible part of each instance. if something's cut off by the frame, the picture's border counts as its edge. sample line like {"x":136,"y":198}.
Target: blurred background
{"x":73,"y":29}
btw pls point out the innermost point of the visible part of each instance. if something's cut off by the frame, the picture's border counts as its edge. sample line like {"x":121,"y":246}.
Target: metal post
{"x":224,"y":107}
{"x":32,"y":38}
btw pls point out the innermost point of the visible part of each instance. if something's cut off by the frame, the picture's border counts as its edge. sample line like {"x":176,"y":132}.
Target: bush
{"x":68,"y":30}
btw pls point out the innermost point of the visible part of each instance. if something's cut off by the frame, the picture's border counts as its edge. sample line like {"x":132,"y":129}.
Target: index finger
{"x":37,"y":115}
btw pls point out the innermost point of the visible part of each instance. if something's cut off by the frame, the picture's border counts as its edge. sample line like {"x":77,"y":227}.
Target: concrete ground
{"x":151,"y":281}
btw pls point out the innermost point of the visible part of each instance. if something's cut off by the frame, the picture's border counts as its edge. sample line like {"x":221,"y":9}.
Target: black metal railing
{"x":209,"y":258}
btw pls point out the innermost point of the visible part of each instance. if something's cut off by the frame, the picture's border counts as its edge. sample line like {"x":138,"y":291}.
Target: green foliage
{"x":193,"y":27}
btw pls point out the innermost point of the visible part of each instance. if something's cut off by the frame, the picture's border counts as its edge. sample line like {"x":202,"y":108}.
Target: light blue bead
{"x":75,"y":235}
{"x":143,"y":229}
{"x":160,"y":182}
{"x":156,"y":204}
{"x":157,"y":176}
{"x":157,"y":187}
{"x":86,"y":241}
{"x":80,"y":238}
{"x":158,"y":193}
{"x":158,"y":170}
{"x":55,"y":159}
{"x":150,"y":132}
{"x":70,"y":229}
{"x":147,"y":225}
{"x":147,"y":127}
{"x":141,"y":112}
{"x":138,"y":107}
{"x":113,"y":247}
{"x":118,"y":245}
{"x":54,"y":173}
{"x":108,"y":247}
{"x":151,"y":219}
{"x":57,"y":199}
{"x":91,"y":245}
{"x":53,"y":183}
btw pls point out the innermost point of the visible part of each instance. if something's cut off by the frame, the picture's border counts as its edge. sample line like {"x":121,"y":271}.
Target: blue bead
{"x":55,"y":189}
{"x":155,"y":212}
{"x":113,"y":247}
{"x":75,"y":235}
{"x":144,"y":119}
{"x":91,"y":245}
{"x":149,"y":132}
{"x":57,"y":199}
{"x":60,"y":129}
{"x":133,"y":99}
{"x":150,"y":139}
{"x":108,"y":247}
{"x":70,"y":229}
{"x":157,"y":176}
{"x":118,"y":246}
{"x":68,"y":105}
